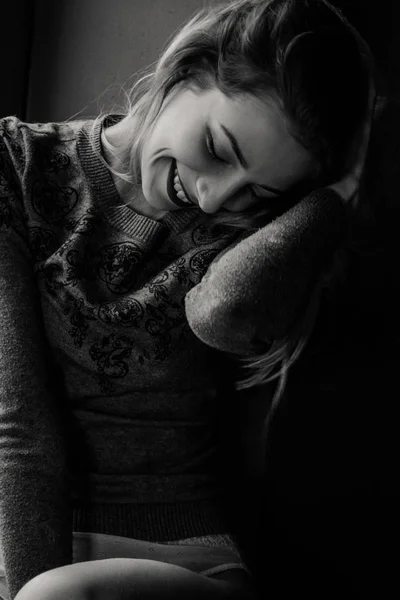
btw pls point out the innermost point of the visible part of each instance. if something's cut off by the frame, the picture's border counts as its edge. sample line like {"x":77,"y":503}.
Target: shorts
{"x":207,"y":555}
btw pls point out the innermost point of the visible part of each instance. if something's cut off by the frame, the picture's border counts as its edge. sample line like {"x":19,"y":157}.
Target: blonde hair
{"x":277,"y":49}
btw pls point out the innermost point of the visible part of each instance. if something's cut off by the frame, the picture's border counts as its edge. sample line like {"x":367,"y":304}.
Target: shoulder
{"x":24,"y":144}
{"x":12,"y":126}
{"x":13,"y":129}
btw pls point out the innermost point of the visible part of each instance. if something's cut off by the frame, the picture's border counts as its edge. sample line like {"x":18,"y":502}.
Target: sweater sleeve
{"x":255,"y":290}
{"x":35,"y":524}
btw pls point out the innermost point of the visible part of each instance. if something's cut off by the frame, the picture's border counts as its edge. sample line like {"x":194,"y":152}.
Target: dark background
{"x":71,"y":56}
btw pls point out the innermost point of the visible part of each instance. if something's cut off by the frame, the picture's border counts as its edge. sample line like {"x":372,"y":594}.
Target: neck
{"x":130,"y":193}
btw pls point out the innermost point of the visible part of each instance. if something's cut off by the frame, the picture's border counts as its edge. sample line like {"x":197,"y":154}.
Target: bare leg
{"x":130,"y":579}
{"x":98,"y":546}
{"x":87,"y":546}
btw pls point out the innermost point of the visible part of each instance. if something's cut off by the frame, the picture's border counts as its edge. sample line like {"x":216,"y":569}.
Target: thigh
{"x":213,"y":561}
{"x":3,"y":588}
{"x":124,"y":579}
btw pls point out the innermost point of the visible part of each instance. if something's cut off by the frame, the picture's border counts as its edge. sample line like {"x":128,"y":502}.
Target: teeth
{"x":178,"y":188}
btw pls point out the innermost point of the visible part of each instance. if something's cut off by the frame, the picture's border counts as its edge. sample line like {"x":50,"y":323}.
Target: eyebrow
{"x":242,"y":160}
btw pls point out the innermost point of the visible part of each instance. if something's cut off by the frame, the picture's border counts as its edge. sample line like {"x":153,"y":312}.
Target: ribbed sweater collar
{"x":119,"y":214}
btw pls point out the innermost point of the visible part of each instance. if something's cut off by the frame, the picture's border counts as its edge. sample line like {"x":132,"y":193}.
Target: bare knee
{"x":56,"y":584}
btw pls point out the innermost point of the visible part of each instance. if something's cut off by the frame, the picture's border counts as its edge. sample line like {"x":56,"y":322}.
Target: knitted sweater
{"x":107,"y":395}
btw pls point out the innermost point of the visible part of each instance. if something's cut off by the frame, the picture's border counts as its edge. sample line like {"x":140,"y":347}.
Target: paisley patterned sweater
{"x":107,"y":379}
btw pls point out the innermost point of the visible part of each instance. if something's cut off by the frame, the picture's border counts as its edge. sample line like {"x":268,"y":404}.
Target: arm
{"x":256,"y":290}
{"x":35,"y":524}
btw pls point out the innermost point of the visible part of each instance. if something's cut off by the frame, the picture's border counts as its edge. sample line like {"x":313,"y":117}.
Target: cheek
{"x":241,"y":204}
{"x":182,"y":139}
{"x":154,"y":173}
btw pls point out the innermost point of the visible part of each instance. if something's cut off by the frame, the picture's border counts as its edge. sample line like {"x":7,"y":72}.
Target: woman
{"x":134,"y":249}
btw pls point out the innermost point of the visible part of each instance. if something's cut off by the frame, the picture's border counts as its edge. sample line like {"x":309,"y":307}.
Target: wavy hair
{"x":307,"y":58}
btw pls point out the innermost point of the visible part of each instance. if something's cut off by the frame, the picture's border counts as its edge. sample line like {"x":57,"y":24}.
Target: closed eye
{"x":257,"y":191}
{"x":211,"y":147}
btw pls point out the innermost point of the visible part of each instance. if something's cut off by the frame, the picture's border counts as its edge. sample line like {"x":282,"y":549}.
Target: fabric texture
{"x":108,"y":392}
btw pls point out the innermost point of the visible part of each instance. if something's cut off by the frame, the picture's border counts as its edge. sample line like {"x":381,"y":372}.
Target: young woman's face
{"x":228,"y":154}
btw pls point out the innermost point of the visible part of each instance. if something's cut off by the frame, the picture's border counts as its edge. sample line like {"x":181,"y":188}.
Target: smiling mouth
{"x":172,"y":192}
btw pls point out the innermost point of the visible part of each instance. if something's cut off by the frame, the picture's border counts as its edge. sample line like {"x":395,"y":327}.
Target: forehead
{"x":262,"y":133}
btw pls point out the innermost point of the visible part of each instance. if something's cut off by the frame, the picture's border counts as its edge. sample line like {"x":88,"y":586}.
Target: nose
{"x":214,"y":194}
